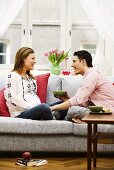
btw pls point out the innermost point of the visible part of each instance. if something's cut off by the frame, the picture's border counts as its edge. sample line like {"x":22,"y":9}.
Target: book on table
{"x":31,"y":162}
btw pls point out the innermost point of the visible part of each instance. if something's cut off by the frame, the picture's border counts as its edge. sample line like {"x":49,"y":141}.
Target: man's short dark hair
{"x":83,"y":54}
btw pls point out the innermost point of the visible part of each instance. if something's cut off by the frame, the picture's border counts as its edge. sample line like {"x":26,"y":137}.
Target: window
{"x":3,"y":47}
{"x":89,"y":46}
{"x":84,"y":37}
{"x":46,"y":25}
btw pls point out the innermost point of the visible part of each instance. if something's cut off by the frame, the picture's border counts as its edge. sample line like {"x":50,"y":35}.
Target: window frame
{"x":7,"y":53}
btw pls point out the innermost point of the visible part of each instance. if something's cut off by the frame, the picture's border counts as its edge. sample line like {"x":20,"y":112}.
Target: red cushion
{"x":42,"y":82}
{"x":3,"y":107}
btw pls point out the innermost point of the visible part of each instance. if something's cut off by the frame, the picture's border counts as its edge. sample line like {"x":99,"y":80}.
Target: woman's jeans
{"x":39,"y":112}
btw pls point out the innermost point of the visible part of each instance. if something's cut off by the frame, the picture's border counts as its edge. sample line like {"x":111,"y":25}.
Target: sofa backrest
{"x":65,"y":83}
{"x":70,"y":84}
{"x":54,"y":83}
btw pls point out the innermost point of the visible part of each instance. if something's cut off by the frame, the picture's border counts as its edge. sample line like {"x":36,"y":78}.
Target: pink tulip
{"x":62,"y":52}
{"x":53,"y":51}
{"x":58,"y":54}
{"x":56,"y":50}
{"x":50,"y":53}
{"x":46,"y":54}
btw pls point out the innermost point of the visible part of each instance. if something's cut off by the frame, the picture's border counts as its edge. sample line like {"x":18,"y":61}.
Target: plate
{"x":100,"y":112}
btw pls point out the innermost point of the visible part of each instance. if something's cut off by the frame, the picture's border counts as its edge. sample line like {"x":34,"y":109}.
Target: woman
{"x":20,"y":94}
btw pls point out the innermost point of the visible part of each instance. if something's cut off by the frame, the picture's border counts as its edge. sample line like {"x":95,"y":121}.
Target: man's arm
{"x":62,"y":106}
{"x":82,"y":95}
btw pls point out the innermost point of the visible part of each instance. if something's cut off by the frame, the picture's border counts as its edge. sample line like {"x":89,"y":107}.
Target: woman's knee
{"x":46,"y":111}
{"x":44,"y":106}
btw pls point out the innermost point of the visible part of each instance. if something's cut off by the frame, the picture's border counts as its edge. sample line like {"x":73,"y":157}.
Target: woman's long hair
{"x":21,"y":55}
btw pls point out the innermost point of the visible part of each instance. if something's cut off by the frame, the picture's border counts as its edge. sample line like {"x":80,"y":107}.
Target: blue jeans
{"x":39,"y":112}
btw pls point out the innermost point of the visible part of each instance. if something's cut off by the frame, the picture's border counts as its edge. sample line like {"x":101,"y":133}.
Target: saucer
{"x":100,"y":112}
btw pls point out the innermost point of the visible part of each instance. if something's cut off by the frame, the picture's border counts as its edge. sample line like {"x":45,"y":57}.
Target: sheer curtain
{"x":101,"y":15}
{"x":8,"y":11}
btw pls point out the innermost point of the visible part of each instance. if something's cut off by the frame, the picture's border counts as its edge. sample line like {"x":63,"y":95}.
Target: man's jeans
{"x":70,"y":113}
{"x":61,"y":114}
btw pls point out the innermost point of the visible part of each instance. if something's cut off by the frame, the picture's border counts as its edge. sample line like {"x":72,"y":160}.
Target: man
{"x":95,"y":89}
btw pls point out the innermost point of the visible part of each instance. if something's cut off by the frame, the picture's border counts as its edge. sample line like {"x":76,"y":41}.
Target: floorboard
{"x":57,"y":162}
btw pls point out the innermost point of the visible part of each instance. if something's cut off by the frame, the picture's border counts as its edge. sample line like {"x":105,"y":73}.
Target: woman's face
{"x":29,"y":62}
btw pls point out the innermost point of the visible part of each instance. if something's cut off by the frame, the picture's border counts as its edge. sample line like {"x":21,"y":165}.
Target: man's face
{"x":78,"y":65}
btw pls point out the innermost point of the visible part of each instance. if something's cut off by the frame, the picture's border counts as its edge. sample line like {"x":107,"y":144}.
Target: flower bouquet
{"x":56,"y":57}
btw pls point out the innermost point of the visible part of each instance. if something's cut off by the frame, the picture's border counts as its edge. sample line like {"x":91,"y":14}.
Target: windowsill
{"x":5,"y":69}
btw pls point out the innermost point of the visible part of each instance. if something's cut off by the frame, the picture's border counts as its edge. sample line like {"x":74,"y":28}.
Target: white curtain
{"x":101,"y":15}
{"x":8,"y":11}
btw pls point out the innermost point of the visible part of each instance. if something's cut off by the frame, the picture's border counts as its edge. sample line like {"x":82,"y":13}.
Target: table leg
{"x":89,"y":146}
{"x":94,"y":145}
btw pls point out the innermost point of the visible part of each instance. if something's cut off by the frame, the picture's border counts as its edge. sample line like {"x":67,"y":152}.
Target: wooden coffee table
{"x":92,"y":121}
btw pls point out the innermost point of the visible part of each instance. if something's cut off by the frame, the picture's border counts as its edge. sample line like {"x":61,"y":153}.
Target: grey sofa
{"x":50,"y":136}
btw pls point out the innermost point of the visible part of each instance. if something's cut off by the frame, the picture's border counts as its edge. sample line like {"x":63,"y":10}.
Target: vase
{"x":55,"y":69}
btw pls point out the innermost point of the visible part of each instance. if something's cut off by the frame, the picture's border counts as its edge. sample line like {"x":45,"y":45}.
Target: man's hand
{"x":64,"y":97}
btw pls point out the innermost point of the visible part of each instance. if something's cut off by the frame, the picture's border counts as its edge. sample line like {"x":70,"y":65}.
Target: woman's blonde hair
{"x":21,"y":55}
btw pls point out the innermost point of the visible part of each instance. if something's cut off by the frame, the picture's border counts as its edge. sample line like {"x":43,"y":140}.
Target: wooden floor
{"x":59,"y":163}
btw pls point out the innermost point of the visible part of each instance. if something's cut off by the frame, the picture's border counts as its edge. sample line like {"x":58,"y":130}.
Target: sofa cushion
{"x":28,"y":126}
{"x":54,"y":83}
{"x":42,"y":81}
{"x":81,"y":129}
{"x":71,"y":84}
{"x":3,"y":107}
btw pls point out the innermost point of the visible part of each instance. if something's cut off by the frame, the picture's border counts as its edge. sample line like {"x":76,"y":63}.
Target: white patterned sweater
{"x":20,"y":94}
